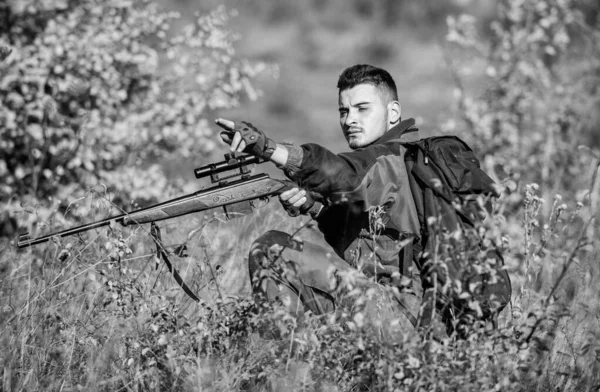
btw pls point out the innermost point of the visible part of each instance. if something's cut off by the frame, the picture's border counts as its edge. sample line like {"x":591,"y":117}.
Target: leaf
{"x":590,"y":151}
{"x":180,"y":251}
{"x":79,"y":89}
{"x":5,"y":51}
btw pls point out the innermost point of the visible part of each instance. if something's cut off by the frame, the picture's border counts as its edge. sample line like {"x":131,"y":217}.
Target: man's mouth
{"x":353,"y":131}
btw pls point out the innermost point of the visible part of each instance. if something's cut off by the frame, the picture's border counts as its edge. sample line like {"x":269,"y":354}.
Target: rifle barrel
{"x":243,"y":190}
{"x":25,"y":240}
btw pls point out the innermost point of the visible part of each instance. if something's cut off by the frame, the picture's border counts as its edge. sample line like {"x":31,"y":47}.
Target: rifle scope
{"x":231,"y":162}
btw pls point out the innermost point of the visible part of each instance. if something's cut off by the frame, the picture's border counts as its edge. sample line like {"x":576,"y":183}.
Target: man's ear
{"x":394,"y":112}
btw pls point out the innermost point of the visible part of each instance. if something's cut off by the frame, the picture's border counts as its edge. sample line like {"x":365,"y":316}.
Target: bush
{"x":538,"y":69}
{"x":99,"y":93}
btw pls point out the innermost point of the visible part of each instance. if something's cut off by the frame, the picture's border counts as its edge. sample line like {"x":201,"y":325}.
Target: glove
{"x":309,"y":207}
{"x":257,"y":143}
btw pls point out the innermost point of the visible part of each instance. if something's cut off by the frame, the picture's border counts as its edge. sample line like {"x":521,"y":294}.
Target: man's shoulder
{"x":388,"y":154}
{"x":372,"y":151}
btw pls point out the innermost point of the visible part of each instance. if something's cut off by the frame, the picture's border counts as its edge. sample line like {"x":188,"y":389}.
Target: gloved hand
{"x":244,"y":137}
{"x":298,"y":201}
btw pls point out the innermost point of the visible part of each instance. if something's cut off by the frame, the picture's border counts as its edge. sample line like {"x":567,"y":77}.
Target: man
{"x":368,"y":215}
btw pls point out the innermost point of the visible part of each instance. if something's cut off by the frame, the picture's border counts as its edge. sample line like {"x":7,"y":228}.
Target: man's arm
{"x":313,"y":167}
{"x":238,"y":144}
{"x":294,"y":197}
{"x":373,"y":176}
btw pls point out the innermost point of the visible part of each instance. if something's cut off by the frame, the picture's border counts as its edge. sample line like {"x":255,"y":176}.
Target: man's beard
{"x":360,"y":142}
{"x":354,"y":144}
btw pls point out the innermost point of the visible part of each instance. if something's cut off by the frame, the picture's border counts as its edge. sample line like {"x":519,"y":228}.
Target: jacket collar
{"x":405,"y":131}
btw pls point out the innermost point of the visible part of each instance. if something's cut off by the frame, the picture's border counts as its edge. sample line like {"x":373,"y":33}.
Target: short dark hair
{"x":364,"y":73}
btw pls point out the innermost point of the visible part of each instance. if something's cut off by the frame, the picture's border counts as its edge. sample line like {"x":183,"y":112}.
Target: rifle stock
{"x":259,"y":186}
{"x":236,"y":194}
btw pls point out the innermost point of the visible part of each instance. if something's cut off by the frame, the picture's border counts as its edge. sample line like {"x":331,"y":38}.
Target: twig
{"x":57,"y":285}
{"x":571,"y":258}
{"x":287,"y":363}
{"x":584,"y":229}
{"x":212,"y":272}
{"x":458,"y":82}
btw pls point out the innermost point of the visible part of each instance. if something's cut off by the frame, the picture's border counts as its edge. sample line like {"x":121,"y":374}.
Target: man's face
{"x":363,"y":115}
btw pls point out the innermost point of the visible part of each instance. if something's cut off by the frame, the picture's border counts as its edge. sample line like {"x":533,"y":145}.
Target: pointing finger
{"x":225,"y":124}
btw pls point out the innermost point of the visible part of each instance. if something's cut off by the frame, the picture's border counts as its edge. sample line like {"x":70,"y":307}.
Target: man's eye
{"x":362,"y":109}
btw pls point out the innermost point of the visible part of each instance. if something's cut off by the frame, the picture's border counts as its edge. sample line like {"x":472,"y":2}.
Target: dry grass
{"x":81,"y":315}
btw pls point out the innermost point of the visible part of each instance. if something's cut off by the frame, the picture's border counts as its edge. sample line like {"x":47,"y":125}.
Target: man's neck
{"x":403,"y":130}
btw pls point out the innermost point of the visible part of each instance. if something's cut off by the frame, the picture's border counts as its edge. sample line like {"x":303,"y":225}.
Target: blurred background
{"x":311,"y":42}
{"x":124,"y":94}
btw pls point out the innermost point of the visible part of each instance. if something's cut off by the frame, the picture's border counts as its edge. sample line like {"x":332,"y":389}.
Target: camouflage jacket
{"x":352,"y":184}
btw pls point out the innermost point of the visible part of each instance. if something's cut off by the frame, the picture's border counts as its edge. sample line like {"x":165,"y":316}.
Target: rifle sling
{"x":160,"y":249}
{"x":413,"y":320}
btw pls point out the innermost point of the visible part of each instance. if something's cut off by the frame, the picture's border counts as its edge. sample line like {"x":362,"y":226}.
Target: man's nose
{"x":350,"y":118}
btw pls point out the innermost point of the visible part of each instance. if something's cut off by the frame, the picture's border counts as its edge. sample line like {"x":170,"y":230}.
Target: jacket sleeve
{"x":364,"y":178}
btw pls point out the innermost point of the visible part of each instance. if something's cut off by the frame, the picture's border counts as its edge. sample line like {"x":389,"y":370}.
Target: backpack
{"x":445,"y":179}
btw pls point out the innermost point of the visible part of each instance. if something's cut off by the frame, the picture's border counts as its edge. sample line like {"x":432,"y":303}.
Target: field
{"x":103,"y":313}
{"x":118,"y":126}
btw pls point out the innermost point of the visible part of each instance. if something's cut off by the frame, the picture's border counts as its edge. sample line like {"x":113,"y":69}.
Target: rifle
{"x":234,"y":192}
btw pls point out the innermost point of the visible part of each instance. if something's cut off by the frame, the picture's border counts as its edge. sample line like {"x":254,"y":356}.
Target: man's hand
{"x":298,"y":201}
{"x":244,"y":137}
